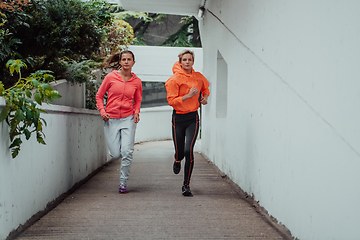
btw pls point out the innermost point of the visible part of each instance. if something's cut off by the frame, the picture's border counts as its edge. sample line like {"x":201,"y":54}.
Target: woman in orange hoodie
{"x":121,"y":113}
{"x":183,"y":94}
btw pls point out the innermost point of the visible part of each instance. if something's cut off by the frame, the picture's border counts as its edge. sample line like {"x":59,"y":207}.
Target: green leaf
{"x":46,"y":86}
{"x":43,"y":120}
{"x":16,"y":143}
{"x":15,"y":152}
{"x":15,"y":65}
{"x":2,"y":89}
{"x":21,"y":102}
{"x":39,"y":126}
{"x":27,"y":134}
{"x":29,"y":114}
{"x":28,"y":93}
{"x":13,"y":133}
{"x":11,"y":95}
{"x":38,"y":97}
{"x":35,"y":82}
{"x":55,"y":94}
{"x":40,"y":139}
{"x":49,"y":78}
{"x":19,"y":115}
{"x":37,"y":113}
{"x":4,"y":113}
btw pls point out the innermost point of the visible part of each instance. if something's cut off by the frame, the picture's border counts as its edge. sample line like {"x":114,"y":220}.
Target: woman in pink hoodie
{"x":121,"y":113}
{"x":183,"y":94}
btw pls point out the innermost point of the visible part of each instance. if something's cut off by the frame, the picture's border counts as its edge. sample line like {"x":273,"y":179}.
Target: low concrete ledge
{"x":75,"y":148}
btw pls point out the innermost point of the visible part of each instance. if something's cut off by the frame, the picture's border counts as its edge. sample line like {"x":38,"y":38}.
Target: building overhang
{"x":176,"y":7}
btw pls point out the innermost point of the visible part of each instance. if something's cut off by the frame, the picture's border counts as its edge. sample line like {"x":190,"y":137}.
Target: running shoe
{"x":186,"y":191}
{"x":176,"y":167}
{"x":122,"y":188}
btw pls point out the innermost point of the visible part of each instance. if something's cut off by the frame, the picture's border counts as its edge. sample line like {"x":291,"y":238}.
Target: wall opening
{"x":154,"y":94}
{"x":221,"y":87}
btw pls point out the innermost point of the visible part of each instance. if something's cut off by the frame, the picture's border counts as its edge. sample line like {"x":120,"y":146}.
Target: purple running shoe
{"x":122,"y":188}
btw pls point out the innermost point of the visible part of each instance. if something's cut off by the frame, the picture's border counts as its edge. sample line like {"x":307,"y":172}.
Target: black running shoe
{"x":176,"y":167}
{"x":186,"y":191}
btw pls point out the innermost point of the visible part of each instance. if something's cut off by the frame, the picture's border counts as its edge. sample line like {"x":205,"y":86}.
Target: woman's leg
{"x":178,"y":134}
{"x":128,"y":128}
{"x":191,"y":133}
{"x":113,"y":137}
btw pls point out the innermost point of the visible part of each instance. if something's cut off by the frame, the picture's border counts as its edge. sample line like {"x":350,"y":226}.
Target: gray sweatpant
{"x":120,"y":137}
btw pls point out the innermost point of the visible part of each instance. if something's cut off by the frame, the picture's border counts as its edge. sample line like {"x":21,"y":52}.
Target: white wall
{"x":75,"y":147}
{"x":73,"y":94}
{"x":155,"y":124}
{"x":291,"y":132}
{"x":154,"y":64}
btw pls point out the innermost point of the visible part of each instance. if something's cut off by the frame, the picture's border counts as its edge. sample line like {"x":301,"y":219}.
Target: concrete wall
{"x":73,"y":95}
{"x":155,"y":124}
{"x":149,"y":69}
{"x":75,"y":147}
{"x":282,"y":120}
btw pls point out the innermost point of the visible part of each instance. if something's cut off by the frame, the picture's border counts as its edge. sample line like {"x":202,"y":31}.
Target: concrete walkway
{"x":154,"y":207}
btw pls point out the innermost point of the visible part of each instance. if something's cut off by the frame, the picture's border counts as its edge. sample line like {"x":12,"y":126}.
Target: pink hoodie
{"x":124,"y":98}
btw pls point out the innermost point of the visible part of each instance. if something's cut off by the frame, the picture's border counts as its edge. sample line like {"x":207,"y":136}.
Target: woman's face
{"x":127,"y":61}
{"x":187,"y":62}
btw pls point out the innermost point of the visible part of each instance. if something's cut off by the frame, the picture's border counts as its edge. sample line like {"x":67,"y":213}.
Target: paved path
{"x":154,"y":207}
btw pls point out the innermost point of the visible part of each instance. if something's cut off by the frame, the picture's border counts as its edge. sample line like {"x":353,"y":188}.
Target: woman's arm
{"x":172,"y":90}
{"x":205,"y":91}
{"x":137,"y":102}
{"x":203,"y":99}
{"x":100,"y":96}
{"x":192,"y":93}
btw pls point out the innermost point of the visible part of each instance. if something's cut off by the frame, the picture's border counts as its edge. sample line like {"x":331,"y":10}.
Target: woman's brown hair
{"x":113,"y":62}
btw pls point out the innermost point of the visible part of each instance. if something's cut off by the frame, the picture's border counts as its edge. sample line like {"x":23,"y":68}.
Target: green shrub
{"x":70,"y":29}
{"x":21,"y":111}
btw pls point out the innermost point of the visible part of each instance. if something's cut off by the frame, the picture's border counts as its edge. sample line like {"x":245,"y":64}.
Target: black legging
{"x":185,"y":128}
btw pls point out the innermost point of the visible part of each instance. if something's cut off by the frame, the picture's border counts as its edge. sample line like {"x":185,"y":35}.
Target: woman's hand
{"x":192,"y":93}
{"x":106,"y":117}
{"x":203,"y":99}
{"x":136,"y":118}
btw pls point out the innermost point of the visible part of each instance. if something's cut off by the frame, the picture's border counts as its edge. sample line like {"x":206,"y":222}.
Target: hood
{"x":178,"y":69}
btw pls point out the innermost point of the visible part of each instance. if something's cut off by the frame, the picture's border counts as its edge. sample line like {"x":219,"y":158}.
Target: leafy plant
{"x":11,"y":17}
{"x":119,"y":13}
{"x":79,"y":72}
{"x":7,"y":44}
{"x":92,"y":87}
{"x":21,"y":112}
{"x":187,"y":35}
{"x":71,"y":29}
{"x":119,"y":35}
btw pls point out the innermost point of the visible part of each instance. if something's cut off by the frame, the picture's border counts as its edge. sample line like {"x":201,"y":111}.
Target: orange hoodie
{"x":179,"y":84}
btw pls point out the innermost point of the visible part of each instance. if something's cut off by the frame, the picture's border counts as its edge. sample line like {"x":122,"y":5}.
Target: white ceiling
{"x":177,"y":7}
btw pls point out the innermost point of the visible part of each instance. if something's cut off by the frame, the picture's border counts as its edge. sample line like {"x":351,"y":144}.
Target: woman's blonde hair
{"x":186,"y":52}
